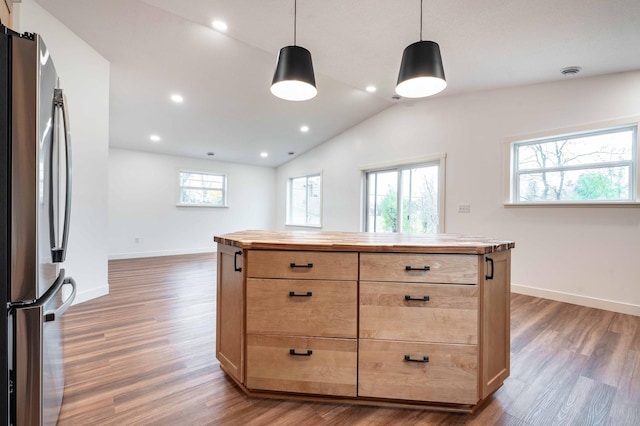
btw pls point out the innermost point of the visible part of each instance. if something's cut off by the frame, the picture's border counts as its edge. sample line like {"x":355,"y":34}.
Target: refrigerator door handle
{"x":58,"y":254}
{"x":52,"y":315}
{"x":55,"y":288}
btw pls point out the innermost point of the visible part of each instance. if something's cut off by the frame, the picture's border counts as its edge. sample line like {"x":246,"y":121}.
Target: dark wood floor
{"x":145,"y":355}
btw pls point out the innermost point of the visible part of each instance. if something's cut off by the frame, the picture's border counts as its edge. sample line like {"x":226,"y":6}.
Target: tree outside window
{"x":411,"y":193}
{"x":304,"y":201}
{"x":596,"y":166}
{"x":202,"y":189}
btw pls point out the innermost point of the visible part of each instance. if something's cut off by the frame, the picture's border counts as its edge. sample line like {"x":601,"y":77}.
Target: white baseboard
{"x":83,"y":296}
{"x":135,"y":255}
{"x":607,"y":305}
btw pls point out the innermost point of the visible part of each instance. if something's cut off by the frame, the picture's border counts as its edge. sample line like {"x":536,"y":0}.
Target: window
{"x":413,"y":192}
{"x":593,"y":166}
{"x":202,"y":189}
{"x":304,"y":201}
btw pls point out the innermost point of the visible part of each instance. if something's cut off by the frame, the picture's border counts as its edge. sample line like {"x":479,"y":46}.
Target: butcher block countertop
{"x":364,"y":242}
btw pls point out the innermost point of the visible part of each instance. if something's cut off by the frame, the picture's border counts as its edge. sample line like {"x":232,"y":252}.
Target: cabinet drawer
{"x":424,"y":268}
{"x":450,"y":375}
{"x":302,"y":265}
{"x":450,"y":315}
{"x":328,"y":369}
{"x":302,"y":307}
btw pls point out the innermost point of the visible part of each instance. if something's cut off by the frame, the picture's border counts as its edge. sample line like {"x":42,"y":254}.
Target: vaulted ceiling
{"x":161,"y":47}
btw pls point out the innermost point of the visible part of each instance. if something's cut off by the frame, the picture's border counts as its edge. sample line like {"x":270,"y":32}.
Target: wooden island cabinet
{"x":376,"y":319}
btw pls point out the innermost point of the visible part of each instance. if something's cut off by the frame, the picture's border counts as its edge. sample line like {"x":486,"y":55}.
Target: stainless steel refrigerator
{"x":35,"y":201}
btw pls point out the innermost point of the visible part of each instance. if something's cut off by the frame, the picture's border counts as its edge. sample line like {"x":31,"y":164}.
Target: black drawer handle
{"x":420,"y":299}
{"x":408,"y":358}
{"x":293,"y":352}
{"x":489,"y":276}
{"x":235,"y":261}
{"x":308,"y":265}
{"x":293,"y":294}
{"x":410,"y":268}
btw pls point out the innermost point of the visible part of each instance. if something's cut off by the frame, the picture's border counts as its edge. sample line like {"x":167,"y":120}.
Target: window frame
{"x":399,"y":166}
{"x":289,"y":198}
{"x":179,"y":187}
{"x":511,"y":184}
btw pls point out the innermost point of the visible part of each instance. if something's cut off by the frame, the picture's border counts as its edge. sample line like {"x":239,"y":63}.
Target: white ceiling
{"x":160,"y":47}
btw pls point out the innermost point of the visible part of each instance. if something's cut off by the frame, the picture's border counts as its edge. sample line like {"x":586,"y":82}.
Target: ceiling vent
{"x":570,"y":71}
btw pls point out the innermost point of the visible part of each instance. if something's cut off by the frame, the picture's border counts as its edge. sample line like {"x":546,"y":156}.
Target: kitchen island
{"x":417,"y":321}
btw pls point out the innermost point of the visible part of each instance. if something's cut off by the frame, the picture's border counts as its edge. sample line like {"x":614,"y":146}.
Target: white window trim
{"x":508,"y":166}
{"x":440,"y":158}
{"x":204,"y":172}
{"x":288,"y":200}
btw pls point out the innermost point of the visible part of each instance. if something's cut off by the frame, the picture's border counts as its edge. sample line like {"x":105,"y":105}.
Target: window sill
{"x":302,"y":226}
{"x":609,"y":204}
{"x":202,"y":205}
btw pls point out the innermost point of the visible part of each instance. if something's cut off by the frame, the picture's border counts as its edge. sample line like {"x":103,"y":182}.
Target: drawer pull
{"x":235,"y":261}
{"x":293,"y":352}
{"x":308,"y":265}
{"x":408,"y":358}
{"x":410,"y":268}
{"x":293,"y":294}
{"x":489,"y":276}
{"x":420,"y":299}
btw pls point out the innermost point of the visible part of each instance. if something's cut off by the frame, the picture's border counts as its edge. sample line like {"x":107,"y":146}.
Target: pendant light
{"x":421,"y":71}
{"x":293,"y":79}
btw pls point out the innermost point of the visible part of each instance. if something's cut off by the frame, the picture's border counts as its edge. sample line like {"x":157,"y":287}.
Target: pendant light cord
{"x":295,"y":15}
{"x":421,"y":1}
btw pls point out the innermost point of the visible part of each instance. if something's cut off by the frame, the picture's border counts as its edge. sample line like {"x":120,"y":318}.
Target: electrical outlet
{"x":464,"y":208}
{"x":136,"y":240}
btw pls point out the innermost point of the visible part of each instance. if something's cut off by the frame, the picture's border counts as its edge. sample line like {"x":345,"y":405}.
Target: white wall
{"x":583,"y":255}
{"x":84,"y":76}
{"x":142,"y":204}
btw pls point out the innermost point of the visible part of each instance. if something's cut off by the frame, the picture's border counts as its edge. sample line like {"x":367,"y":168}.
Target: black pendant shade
{"x":421,"y":71}
{"x":294,"y":79}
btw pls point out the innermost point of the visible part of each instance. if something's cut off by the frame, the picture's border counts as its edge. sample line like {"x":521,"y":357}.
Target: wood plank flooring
{"x":145,"y":355}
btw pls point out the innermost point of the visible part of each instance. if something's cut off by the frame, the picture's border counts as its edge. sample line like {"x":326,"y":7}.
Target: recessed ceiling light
{"x":211,"y":154}
{"x":264,"y":154}
{"x":177,"y":98}
{"x":154,"y":138}
{"x":371,"y":89}
{"x":219,"y":25}
{"x":304,"y":129}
